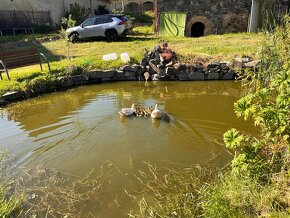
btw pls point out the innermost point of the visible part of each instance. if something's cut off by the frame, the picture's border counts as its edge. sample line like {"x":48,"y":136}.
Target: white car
{"x":110,"y":26}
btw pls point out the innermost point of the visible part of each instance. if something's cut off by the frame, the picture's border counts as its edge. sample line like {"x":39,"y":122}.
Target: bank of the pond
{"x":178,"y":72}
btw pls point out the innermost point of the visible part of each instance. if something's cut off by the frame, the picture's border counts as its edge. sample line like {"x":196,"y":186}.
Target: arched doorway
{"x":197,"y":29}
{"x":148,"y":6}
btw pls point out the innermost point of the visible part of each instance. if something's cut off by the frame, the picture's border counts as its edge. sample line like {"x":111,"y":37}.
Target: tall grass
{"x":257,"y":182}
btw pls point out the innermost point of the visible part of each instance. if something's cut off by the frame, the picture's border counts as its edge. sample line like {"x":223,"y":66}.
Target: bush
{"x":78,"y":13}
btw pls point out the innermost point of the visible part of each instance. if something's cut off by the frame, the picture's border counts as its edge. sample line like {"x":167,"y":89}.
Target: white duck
{"x":128,"y":111}
{"x":156,"y":114}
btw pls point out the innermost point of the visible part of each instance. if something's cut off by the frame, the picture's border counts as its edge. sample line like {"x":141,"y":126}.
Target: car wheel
{"x":74,"y":37}
{"x":112,"y":36}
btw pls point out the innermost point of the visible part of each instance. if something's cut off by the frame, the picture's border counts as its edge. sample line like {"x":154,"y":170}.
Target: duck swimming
{"x":128,"y":111}
{"x":156,"y":114}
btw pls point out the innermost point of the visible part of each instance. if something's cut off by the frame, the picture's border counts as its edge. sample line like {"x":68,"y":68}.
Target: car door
{"x":86,"y":30}
{"x":101,"y":24}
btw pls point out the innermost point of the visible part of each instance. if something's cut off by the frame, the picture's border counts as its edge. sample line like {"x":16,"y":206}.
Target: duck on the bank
{"x":128,"y":111}
{"x":156,"y":114}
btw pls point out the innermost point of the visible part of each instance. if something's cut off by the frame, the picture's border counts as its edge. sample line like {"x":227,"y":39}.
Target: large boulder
{"x":182,"y":75}
{"x":171,"y":71}
{"x":65,"y":82}
{"x":196,"y":76}
{"x":79,"y":79}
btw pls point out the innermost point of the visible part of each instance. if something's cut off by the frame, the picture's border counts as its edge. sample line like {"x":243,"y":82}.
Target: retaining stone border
{"x":178,"y":72}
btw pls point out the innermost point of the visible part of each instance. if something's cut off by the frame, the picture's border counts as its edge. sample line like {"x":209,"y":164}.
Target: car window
{"x":123,"y":18}
{"x":101,"y":20}
{"x":88,"y":22}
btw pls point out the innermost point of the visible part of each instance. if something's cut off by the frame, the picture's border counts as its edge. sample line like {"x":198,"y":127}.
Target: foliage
{"x":146,"y":17}
{"x":68,"y":22}
{"x":78,"y":13}
{"x":101,"y":10}
{"x":10,"y":203}
{"x":267,"y":104}
{"x":196,"y":192}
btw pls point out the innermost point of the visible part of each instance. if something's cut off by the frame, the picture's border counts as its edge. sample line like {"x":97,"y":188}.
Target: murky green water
{"x":79,"y":130}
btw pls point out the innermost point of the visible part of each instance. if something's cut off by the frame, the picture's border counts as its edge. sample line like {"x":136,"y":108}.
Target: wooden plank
{"x":21,"y":58}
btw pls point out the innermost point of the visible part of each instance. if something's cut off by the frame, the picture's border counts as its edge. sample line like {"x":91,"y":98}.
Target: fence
{"x":22,"y":20}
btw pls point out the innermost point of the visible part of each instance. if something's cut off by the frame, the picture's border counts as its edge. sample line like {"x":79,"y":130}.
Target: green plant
{"x":268,"y":105}
{"x":78,"y":13}
{"x":9,"y":203}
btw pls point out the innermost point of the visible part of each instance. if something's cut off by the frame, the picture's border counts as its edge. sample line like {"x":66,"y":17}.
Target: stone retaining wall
{"x":179,"y":72}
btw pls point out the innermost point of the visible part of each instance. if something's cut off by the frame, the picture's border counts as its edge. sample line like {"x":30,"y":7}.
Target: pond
{"x":80,"y":130}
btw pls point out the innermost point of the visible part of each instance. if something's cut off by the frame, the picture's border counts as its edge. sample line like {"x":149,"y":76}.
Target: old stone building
{"x":56,"y":8}
{"x":206,"y":17}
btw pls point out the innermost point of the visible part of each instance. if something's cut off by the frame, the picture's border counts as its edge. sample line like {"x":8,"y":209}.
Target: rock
{"x":79,"y":79}
{"x":109,"y":73}
{"x":129,"y":68}
{"x":65,"y":82}
{"x":213,"y":69}
{"x":182,"y":75}
{"x":237,"y":63}
{"x":105,"y":79}
{"x":171,"y":71}
{"x":179,"y":66}
{"x":173,"y":77}
{"x":119,"y":76}
{"x":3,"y":102}
{"x":196,"y":76}
{"x":225,"y":65}
{"x":252,"y":64}
{"x":137,"y":66}
{"x":130,"y":73}
{"x":214,"y":65}
{"x":155,"y":77}
{"x":246,"y":59}
{"x":12,"y":96}
{"x":98,"y":74}
{"x":166,"y":78}
{"x":131,"y":78}
{"x":228,"y":76}
{"x":213,"y":76}
{"x":196,"y":68}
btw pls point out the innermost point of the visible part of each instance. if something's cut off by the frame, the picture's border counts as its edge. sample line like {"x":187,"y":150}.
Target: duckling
{"x":156,"y":114}
{"x":128,"y":111}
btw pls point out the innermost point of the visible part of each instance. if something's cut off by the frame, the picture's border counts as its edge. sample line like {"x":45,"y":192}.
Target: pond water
{"x":80,"y":130}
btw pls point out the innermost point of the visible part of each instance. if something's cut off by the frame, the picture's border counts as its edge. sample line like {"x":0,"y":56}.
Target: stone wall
{"x":179,"y":72}
{"x":217,"y":16}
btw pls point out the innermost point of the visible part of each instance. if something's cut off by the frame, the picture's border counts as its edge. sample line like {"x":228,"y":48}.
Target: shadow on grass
{"x":22,"y":42}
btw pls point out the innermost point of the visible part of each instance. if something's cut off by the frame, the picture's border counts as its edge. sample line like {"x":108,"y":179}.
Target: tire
{"x":112,"y":36}
{"x":74,"y":37}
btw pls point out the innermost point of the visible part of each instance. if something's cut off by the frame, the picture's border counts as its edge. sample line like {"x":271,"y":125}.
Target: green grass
{"x":88,"y":55}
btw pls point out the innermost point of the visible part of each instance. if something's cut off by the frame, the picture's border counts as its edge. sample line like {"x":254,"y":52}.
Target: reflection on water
{"x":81,"y":129}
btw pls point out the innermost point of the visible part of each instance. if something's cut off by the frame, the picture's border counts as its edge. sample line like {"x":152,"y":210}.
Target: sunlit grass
{"x":88,"y":55}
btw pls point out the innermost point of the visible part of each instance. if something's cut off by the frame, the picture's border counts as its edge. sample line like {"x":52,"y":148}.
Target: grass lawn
{"x":88,"y":55}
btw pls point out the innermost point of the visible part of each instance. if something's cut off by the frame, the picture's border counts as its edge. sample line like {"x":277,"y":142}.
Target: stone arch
{"x":148,"y":6}
{"x":131,"y":7}
{"x":208,"y":26}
